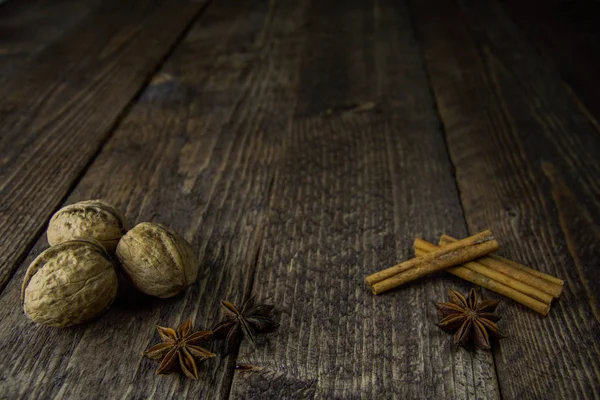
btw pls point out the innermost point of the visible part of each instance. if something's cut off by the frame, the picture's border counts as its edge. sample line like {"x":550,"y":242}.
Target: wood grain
{"x":352,"y":190}
{"x":215,"y":156}
{"x":297,"y":145}
{"x":57,"y":113}
{"x":196,"y":152}
{"x":526,"y":165}
{"x":27,"y":27}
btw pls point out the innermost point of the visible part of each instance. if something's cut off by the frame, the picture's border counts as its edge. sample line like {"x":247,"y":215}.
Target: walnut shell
{"x":158,"y":261}
{"x":69,"y":283}
{"x":92,"y":218}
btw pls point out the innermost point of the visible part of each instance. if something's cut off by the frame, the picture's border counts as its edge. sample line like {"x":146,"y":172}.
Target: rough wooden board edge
{"x":236,"y":137}
{"x":37,"y":25}
{"x":575,"y":219}
{"x":315,"y":121}
{"x":8,"y":267}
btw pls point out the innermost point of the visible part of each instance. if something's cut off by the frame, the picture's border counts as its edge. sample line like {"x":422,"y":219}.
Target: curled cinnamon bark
{"x":462,"y":251}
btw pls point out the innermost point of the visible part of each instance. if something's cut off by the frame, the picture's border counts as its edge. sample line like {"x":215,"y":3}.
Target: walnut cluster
{"x":75,"y":279}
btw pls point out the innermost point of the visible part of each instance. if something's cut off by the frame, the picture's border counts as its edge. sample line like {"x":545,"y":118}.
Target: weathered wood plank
{"x":526,"y":162}
{"x":58,"y":112}
{"x":195,"y":152}
{"x":568,"y":34}
{"x":27,"y":27}
{"x":363,"y":171}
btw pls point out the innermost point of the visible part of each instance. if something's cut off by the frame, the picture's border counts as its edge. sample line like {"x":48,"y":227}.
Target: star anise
{"x":469,"y":318}
{"x":248,"y":321}
{"x":179,"y":350}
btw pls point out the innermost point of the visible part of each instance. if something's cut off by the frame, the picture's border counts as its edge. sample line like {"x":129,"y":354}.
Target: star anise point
{"x":469,"y":319}
{"x":247,"y":321}
{"x":179,"y":350}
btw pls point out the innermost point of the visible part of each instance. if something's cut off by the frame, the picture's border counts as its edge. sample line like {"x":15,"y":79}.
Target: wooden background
{"x":300,"y":146}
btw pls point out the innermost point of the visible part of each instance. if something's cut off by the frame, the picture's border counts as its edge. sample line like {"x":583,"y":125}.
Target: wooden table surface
{"x":300,"y":146}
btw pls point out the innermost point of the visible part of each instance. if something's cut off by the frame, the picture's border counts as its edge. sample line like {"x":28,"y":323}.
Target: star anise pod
{"x":470,"y":319}
{"x":179,"y":350}
{"x":248,"y":321}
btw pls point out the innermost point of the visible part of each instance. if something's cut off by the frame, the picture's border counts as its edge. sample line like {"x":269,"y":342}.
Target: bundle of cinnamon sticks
{"x":470,"y":260}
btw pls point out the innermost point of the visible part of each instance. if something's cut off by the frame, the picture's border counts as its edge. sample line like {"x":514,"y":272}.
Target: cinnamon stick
{"x":495,"y":286}
{"x":531,"y":271}
{"x":476,"y":266}
{"x":521,"y":274}
{"x":464,"y":250}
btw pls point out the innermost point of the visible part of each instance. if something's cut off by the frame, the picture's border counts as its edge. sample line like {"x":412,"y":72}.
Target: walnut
{"x":92,"y":218}
{"x":158,"y":261}
{"x":69,"y":283}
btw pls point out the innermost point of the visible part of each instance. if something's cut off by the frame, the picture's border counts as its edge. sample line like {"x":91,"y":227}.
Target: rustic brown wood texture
{"x":527,"y":167}
{"x":344,"y":203}
{"x":27,"y":27}
{"x":301,"y":146}
{"x":58,"y":108}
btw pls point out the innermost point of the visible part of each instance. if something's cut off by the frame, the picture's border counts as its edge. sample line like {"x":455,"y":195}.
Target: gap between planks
{"x":110,"y":132}
{"x":443,"y":133}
